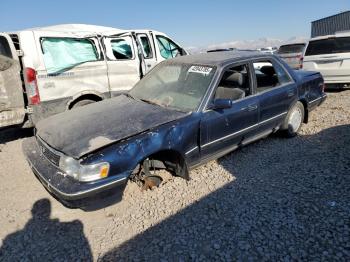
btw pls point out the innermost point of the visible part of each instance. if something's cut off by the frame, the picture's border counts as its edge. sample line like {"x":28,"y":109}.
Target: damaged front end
{"x":72,"y":183}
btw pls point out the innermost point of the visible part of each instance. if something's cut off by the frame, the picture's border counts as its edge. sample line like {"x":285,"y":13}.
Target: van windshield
{"x":177,"y":86}
{"x":62,"y":54}
{"x":328,"y":46}
{"x":289,"y":49}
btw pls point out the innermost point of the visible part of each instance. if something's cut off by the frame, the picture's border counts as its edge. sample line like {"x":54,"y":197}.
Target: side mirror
{"x":222,"y":104}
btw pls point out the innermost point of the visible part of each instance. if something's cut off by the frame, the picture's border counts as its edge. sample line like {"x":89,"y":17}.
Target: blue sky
{"x":191,"y":23}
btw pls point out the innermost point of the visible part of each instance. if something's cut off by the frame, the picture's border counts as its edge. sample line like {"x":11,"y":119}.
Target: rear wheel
{"x":83,"y":103}
{"x":294,"y":120}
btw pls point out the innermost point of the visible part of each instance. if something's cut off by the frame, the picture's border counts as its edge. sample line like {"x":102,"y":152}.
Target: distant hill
{"x":247,"y":44}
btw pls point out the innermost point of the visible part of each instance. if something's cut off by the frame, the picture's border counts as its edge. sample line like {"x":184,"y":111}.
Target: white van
{"x":65,"y":66}
{"x":330,"y":55}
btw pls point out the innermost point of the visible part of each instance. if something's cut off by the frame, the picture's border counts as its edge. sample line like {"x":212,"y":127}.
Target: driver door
{"x":222,"y":130}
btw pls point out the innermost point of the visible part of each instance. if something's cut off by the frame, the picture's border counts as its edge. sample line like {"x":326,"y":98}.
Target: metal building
{"x":331,"y":24}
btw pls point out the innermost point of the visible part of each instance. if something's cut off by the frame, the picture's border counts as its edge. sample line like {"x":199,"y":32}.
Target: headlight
{"x":84,"y":173}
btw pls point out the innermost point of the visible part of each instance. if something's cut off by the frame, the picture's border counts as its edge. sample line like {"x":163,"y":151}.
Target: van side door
{"x":11,"y":93}
{"x":123,"y":63}
{"x":167,"y":48}
{"x":148,"y":50}
{"x":70,"y":66}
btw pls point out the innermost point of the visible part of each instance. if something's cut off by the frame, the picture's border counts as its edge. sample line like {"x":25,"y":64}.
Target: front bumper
{"x":73,"y":193}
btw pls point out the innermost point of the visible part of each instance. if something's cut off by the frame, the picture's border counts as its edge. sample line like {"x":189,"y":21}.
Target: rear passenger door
{"x":122,"y":62}
{"x":276,"y":91}
{"x":222,"y":130}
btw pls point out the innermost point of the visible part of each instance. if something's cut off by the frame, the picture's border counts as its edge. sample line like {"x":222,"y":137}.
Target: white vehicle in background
{"x":268,"y":50}
{"x":61,"y":67}
{"x":292,"y":54}
{"x":330,"y":55}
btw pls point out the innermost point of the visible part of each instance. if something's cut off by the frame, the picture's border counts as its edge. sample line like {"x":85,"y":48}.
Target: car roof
{"x":337,"y":34}
{"x":80,"y":30}
{"x":294,"y":43}
{"x":218,"y":58}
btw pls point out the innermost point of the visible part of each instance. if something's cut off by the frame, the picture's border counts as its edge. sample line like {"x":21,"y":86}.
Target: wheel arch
{"x":306,"y":110}
{"x":172,"y":159}
{"x":95,"y":96}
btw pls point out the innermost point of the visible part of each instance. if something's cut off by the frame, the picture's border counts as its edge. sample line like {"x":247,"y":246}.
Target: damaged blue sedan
{"x":185,"y":112}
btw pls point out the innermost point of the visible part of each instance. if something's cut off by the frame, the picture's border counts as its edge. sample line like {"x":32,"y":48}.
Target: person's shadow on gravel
{"x":45,"y":239}
{"x":289,"y":201}
{"x":14,"y":133}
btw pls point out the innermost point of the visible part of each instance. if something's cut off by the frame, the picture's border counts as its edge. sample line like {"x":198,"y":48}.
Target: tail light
{"x":32,"y":86}
{"x":301,"y":59}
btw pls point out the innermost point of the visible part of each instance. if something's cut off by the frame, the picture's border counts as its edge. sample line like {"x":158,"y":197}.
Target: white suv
{"x":330,"y":55}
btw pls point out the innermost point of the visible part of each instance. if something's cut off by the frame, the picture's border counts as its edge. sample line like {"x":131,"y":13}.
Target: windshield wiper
{"x":128,"y":95}
{"x":149,"y":102}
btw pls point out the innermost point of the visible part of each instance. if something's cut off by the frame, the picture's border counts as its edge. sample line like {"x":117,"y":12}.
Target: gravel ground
{"x":277,"y":199}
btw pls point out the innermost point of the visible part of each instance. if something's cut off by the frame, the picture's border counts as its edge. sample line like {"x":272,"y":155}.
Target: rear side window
{"x":168,"y":49}
{"x":5,"y":49}
{"x":122,"y":48}
{"x":289,"y":49}
{"x":270,"y":75}
{"x":146,"y":46}
{"x":62,"y":54}
{"x":328,"y":46}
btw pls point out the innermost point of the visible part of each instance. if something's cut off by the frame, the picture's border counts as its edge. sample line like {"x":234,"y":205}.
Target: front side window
{"x":5,"y":49}
{"x":168,"y":49}
{"x":122,"y":48}
{"x":146,"y":46}
{"x":269,"y":75}
{"x":61,"y":54}
{"x":235,"y":83}
{"x":177,"y":86}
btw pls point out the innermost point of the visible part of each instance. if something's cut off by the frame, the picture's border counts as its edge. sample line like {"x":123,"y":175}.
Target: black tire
{"x":83,"y":103}
{"x":293,"y":120}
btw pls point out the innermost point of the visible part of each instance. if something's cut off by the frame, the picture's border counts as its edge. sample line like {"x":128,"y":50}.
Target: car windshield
{"x":174,"y":85}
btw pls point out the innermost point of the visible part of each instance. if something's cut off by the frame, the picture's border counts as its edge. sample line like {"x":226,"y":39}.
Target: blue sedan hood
{"x":88,"y":128}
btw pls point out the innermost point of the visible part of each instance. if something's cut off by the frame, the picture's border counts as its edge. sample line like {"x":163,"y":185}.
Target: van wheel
{"x":294,"y":120}
{"x":83,"y":103}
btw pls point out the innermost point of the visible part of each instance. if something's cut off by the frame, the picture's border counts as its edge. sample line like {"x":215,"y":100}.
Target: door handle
{"x":291,"y":93}
{"x":252,"y":107}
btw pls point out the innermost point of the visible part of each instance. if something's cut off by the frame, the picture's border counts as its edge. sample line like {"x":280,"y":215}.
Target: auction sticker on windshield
{"x":205,"y":70}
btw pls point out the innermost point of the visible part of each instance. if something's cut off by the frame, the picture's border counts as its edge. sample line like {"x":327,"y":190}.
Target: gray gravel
{"x":277,"y":199}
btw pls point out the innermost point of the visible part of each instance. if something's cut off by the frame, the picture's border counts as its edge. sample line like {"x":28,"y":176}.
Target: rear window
{"x":328,"y":46}
{"x":5,"y":47}
{"x":62,"y":54}
{"x":288,"y":49}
